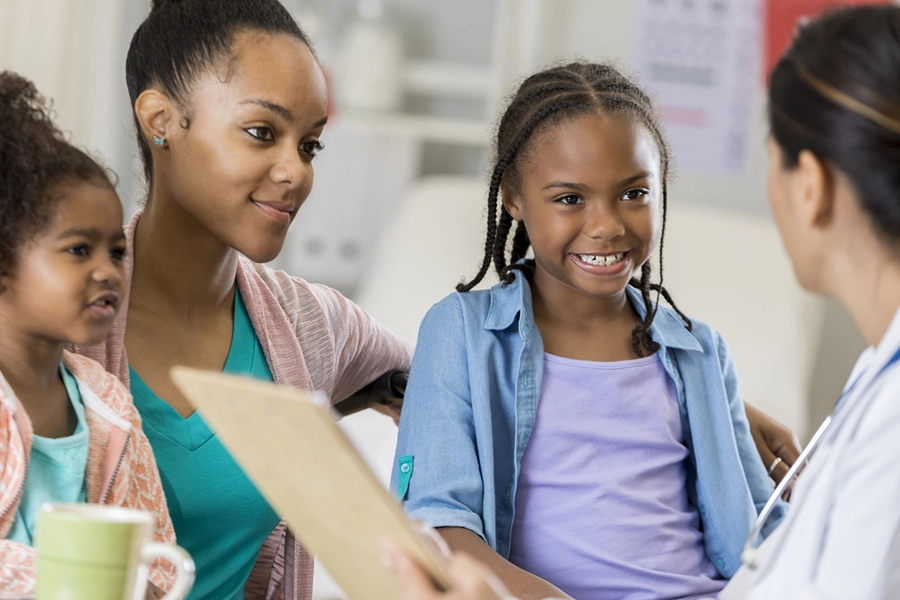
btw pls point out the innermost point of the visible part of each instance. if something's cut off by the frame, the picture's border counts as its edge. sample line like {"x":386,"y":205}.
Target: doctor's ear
{"x":157,"y":116}
{"x":814,"y":187}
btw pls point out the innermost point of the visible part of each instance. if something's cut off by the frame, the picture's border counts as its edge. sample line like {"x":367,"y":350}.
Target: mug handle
{"x":184,"y":565}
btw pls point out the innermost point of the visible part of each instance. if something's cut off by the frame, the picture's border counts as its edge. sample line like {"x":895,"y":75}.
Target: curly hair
{"x":34,"y":158}
{"x":543,"y":100}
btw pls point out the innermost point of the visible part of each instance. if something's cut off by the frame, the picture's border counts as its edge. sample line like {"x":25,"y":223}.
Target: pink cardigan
{"x":121,"y":469}
{"x":314,"y":339}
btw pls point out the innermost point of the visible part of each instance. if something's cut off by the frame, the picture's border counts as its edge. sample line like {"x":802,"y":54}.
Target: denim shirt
{"x":472,"y":398}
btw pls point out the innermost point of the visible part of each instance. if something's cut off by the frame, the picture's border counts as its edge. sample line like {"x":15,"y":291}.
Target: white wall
{"x":74,"y":51}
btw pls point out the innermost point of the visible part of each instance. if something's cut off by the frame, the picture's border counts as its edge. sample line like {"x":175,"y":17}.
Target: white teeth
{"x":601,"y":261}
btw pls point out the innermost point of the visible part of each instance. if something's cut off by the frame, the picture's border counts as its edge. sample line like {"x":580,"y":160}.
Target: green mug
{"x":95,"y":552}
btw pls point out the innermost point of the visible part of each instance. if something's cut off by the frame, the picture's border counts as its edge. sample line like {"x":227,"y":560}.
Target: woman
{"x":834,"y":183}
{"x":230,"y":103}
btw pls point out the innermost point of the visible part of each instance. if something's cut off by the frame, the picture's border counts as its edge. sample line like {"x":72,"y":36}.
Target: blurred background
{"x":396,"y":217}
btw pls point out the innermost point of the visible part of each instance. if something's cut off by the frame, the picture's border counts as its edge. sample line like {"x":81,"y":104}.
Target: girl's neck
{"x":556,"y":301}
{"x":29,"y":364}
{"x":575,"y":325}
{"x":181,"y":269}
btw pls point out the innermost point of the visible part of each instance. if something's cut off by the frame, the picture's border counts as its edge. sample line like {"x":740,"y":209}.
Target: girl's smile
{"x":603,"y":264}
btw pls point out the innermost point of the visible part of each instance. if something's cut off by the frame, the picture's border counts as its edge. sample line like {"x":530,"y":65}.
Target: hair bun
{"x":158,"y":4}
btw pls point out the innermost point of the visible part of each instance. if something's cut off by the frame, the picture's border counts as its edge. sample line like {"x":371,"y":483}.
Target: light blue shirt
{"x":470,"y":409}
{"x":56,"y":469}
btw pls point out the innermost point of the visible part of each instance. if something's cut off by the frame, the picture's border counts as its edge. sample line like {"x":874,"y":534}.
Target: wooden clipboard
{"x":300,"y":460}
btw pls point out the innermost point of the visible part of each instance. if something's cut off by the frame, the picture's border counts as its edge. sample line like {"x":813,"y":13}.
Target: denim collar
{"x":514,"y":300}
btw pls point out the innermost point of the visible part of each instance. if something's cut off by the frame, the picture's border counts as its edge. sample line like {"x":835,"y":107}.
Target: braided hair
{"x":543,"y":100}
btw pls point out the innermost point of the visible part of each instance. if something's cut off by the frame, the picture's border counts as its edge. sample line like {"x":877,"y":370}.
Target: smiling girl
{"x":563,"y":427}
{"x":68,"y":429}
{"x":229,"y":104}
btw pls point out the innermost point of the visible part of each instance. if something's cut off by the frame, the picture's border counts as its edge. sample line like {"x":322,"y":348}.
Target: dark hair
{"x":34,"y":157}
{"x":181,"y":39}
{"x":543,"y":100}
{"x":836,"y":93}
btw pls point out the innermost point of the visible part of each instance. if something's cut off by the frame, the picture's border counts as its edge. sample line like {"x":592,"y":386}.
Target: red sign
{"x":783,"y":16}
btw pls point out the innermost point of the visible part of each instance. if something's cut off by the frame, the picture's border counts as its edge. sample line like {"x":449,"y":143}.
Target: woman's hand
{"x":471,"y":580}
{"x":774,"y":441}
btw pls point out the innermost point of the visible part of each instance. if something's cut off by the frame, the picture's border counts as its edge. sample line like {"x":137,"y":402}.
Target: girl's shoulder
{"x":499,"y":298}
{"x":474,"y":305}
{"x":670,"y":321}
{"x":101,"y":391}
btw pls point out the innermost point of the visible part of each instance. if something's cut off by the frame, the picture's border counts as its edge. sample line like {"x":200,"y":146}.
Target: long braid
{"x":640,"y":335}
{"x":503,"y":229}
{"x":493,"y":191}
{"x":542,"y":100}
{"x":520,"y":246}
{"x":659,"y":288}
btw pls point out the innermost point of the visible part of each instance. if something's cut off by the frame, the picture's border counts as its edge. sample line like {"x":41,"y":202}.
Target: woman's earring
{"x":159,"y":141}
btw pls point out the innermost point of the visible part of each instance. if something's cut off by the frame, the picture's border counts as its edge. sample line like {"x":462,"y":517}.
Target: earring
{"x":159,"y":141}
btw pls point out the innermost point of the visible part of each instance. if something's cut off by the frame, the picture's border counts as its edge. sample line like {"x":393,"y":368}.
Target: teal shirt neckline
{"x":56,"y":468}
{"x":219,"y":516}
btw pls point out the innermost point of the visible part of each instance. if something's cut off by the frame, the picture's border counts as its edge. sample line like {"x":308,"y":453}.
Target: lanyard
{"x":749,"y":555}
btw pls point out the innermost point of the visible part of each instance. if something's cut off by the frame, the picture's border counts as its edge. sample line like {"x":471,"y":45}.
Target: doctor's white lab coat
{"x":841,"y":540}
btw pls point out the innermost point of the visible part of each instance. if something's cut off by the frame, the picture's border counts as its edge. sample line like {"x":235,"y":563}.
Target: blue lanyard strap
{"x":881,"y":371}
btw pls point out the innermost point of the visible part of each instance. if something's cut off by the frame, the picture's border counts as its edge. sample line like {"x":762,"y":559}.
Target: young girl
{"x":68,"y":429}
{"x":563,"y":427}
{"x":230,"y":104}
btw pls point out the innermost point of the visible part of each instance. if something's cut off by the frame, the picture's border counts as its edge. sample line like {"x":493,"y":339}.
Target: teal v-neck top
{"x":219,"y":516}
{"x":56,"y":468}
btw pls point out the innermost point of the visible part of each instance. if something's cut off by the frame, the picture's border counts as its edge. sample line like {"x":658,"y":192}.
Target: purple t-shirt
{"x":601,"y":508}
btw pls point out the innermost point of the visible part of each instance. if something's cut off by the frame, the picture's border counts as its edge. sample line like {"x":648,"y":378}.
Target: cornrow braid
{"x":543,"y":100}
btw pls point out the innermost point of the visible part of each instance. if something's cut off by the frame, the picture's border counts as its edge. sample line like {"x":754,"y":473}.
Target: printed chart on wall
{"x":701,"y":60}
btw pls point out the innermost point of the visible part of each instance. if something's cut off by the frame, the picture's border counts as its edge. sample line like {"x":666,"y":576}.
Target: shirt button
{"x":702,"y":509}
{"x":720,"y":563}
{"x":404,"y":468}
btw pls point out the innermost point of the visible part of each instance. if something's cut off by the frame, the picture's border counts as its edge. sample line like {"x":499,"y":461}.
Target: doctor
{"x":834,"y":188}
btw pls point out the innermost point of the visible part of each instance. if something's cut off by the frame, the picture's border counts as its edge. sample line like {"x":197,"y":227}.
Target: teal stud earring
{"x":159,"y":141}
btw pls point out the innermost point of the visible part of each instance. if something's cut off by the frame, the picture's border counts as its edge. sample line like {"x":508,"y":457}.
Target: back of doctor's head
{"x":180,"y":40}
{"x":836,"y":93}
